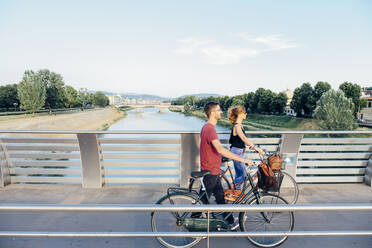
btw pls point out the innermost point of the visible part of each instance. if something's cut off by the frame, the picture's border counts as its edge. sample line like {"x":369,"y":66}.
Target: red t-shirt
{"x":210,"y":159}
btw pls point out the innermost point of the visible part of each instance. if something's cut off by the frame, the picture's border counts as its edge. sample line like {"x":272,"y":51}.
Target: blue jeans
{"x":240,"y":172}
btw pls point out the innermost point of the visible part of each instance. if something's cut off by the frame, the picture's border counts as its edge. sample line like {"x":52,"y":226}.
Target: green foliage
{"x":279,"y":102}
{"x":55,"y":89}
{"x":31,"y":92}
{"x":8,"y":96}
{"x":335,"y":111}
{"x":354,"y":92}
{"x":72,"y":97}
{"x":100,"y":99}
{"x":302,"y":101}
{"x":238,"y":100}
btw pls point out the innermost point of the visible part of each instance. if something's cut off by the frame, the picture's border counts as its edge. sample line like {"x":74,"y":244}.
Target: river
{"x":149,"y":119}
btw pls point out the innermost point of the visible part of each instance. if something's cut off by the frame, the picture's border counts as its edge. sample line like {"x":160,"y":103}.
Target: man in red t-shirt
{"x":211,"y":152}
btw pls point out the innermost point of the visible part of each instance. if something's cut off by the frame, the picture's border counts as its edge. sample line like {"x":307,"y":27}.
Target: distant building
{"x":366,"y":113}
{"x":115,"y":99}
{"x":288,"y":110}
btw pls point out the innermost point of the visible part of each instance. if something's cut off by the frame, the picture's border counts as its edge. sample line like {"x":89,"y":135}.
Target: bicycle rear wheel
{"x":266,"y":221}
{"x":173,"y":221}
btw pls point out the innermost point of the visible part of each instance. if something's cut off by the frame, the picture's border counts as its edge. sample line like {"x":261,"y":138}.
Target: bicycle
{"x":289,"y":189}
{"x":248,"y":221}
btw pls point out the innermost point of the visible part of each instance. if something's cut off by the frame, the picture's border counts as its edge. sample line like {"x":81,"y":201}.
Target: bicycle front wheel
{"x":289,"y":189}
{"x":173,"y":221}
{"x":267,"y":221}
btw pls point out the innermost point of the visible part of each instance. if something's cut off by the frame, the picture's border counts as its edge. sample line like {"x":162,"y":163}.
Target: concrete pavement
{"x":129,"y":222}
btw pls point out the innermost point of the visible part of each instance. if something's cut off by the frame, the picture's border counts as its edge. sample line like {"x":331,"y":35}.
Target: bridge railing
{"x":95,"y":158}
{"x":187,"y":208}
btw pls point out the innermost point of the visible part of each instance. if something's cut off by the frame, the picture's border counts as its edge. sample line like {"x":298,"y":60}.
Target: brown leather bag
{"x":266,"y":178}
{"x":275,"y":161}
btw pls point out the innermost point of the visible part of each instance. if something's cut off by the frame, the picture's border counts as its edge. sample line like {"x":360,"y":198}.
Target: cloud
{"x":212,"y":52}
{"x":272,"y":42}
{"x":220,"y":55}
{"x":190,"y":45}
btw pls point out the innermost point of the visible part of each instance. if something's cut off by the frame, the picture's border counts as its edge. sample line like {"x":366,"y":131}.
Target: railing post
{"x":4,"y":171}
{"x":190,"y":158}
{"x":289,"y":147}
{"x":368,"y":172}
{"x":90,"y":160}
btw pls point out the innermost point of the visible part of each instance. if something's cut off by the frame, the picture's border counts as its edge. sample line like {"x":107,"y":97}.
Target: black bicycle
{"x":248,"y":221}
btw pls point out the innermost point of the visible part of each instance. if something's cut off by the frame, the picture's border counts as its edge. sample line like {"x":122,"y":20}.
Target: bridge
{"x":138,"y":107}
{"x":86,"y":167}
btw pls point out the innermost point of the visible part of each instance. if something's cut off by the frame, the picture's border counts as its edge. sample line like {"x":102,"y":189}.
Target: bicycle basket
{"x":278,"y":181}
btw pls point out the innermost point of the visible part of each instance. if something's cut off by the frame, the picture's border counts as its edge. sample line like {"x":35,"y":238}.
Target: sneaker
{"x":234,"y":225}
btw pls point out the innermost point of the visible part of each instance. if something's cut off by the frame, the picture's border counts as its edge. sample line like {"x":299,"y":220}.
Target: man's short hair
{"x":209,"y":107}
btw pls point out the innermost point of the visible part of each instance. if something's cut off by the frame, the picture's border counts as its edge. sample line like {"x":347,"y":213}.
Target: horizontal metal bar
{"x":332,"y":163}
{"x":140,"y":172}
{"x":39,"y":140}
{"x":140,"y":156}
{"x":42,"y":163}
{"x":138,"y":141}
{"x":41,"y":155}
{"x":182,"y":234}
{"x":35,"y":171}
{"x":332,"y":171}
{"x":176,"y":132}
{"x":336,"y":141}
{"x":142,"y":180}
{"x":140,"y":148}
{"x":329,"y":179}
{"x":43,"y":179}
{"x":108,"y":163}
{"x":50,"y":147}
{"x":346,"y":147}
{"x":184,"y":208}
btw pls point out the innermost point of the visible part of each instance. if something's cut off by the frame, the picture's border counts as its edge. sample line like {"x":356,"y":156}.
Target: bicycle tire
{"x":289,"y":189}
{"x":168,"y":221}
{"x":278,"y":221}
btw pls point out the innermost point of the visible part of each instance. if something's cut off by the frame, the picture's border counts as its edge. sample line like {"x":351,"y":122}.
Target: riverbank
{"x":265,"y":122}
{"x":96,"y":119}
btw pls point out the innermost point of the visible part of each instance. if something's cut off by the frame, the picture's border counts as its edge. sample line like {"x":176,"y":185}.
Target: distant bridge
{"x":138,"y":107}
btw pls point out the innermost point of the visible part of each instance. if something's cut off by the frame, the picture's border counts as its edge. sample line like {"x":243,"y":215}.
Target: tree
{"x":72,"y":97}
{"x":279,"y":102}
{"x":237,"y":100}
{"x":354,"y":92}
{"x":249,"y":102}
{"x":100,"y":99}
{"x":335,"y":111}
{"x":319,"y":89}
{"x":31,"y":92}
{"x":264,"y":104}
{"x":55,"y":89}
{"x":257,"y":96}
{"x":302,"y":100}
{"x":8,"y":96}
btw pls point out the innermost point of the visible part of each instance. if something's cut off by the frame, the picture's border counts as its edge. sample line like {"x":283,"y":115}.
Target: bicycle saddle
{"x":197,"y":174}
{"x":224,"y":160}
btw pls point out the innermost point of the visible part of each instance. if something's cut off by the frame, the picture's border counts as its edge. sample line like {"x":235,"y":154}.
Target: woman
{"x":239,"y":141}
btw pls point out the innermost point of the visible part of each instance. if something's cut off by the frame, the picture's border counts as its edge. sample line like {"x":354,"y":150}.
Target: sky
{"x":176,"y":47}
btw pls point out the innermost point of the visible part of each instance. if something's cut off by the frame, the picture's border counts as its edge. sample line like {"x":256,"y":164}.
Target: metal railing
{"x":93,"y":159}
{"x":183,"y":208}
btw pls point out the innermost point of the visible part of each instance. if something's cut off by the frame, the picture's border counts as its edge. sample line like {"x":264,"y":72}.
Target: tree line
{"x":46,"y":90}
{"x":262,"y":101}
{"x":335,"y":110}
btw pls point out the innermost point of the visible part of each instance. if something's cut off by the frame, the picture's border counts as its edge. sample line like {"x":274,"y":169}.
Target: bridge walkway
{"x":129,"y":222}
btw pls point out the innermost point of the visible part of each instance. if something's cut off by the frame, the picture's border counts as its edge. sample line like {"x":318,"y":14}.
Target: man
{"x":211,"y":152}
